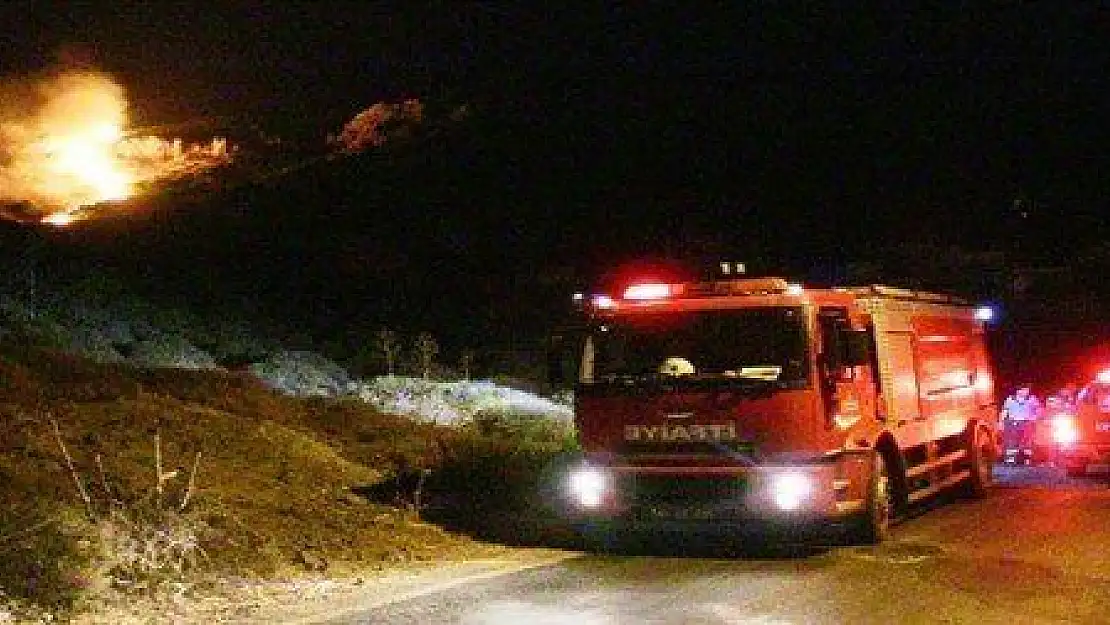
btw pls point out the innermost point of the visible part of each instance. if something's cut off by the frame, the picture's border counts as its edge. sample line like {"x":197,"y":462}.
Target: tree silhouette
{"x":388,"y":345}
{"x":426,"y":350}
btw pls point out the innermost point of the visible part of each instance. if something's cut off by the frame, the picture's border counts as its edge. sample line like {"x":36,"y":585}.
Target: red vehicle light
{"x":603,"y":302}
{"x":1064,"y":430}
{"x":647,"y":291}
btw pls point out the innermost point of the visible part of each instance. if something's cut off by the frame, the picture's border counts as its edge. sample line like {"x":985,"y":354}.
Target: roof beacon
{"x":647,"y":291}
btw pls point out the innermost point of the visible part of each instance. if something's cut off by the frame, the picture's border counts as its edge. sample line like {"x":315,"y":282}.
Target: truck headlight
{"x":790,"y":490}
{"x":1064,"y":429}
{"x":588,"y":487}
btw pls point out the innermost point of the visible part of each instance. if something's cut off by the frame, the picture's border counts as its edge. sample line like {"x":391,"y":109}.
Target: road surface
{"x":1037,"y":550}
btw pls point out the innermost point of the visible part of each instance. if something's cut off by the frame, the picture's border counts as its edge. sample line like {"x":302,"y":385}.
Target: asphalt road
{"x":1037,"y":550}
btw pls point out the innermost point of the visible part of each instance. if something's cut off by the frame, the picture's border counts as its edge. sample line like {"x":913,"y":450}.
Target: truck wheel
{"x":873,"y":525}
{"x":597,"y":537}
{"x":980,"y":460}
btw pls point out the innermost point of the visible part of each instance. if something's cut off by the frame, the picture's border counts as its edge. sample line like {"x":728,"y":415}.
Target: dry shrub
{"x":147,"y":548}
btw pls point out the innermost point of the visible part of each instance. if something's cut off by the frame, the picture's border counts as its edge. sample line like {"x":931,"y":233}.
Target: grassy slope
{"x":274,"y":480}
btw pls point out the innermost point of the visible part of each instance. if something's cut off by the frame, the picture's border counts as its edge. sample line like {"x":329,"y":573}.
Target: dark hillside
{"x":432,"y":234}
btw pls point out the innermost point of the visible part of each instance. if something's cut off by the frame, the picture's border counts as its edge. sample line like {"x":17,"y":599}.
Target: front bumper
{"x":734,"y":498}
{"x":1089,"y":458}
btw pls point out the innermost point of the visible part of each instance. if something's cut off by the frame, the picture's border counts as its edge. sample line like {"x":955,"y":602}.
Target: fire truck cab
{"x":734,"y":404}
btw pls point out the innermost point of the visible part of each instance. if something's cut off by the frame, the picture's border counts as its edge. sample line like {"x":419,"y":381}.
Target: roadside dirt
{"x":311,"y":599}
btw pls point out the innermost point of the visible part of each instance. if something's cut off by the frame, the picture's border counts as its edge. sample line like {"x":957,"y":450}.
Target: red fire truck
{"x":1077,"y":436}
{"x":748,"y":402}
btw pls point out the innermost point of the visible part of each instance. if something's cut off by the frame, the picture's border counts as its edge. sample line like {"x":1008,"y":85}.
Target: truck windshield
{"x":766,"y":344}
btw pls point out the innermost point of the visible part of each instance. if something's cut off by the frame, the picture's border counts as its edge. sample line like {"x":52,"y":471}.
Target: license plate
{"x":680,"y":513}
{"x":1102,"y":426}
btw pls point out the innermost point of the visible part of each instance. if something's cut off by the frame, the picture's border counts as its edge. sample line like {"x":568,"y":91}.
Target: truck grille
{"x":731,"y":448}
{"x":686,"y":499}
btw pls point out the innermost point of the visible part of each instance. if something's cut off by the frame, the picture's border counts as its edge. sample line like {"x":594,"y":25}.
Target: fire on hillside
{"x":65,"y":148}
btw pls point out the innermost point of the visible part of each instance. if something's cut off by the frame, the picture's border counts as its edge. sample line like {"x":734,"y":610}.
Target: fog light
{"x":790,"y":490}
{"x":1064,"y":430}
{"x":588,"y":487}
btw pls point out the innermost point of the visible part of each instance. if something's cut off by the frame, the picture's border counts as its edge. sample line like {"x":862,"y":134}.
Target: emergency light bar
{"x":745,"y":286}
{"x":642,"y":292}
{"x":647,"y":292}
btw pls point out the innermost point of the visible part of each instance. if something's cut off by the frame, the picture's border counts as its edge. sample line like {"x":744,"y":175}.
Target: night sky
{"x":788,"y":131}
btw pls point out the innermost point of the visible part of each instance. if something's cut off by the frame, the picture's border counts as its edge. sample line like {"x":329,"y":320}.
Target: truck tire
{"x":872,"y":526}
{"x":980,"y":461}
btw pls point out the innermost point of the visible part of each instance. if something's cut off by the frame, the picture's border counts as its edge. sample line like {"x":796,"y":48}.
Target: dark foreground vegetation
{"x":115,"y":479}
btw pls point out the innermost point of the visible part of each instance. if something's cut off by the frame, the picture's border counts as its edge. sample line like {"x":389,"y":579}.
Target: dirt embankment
{"x":118,"y":483}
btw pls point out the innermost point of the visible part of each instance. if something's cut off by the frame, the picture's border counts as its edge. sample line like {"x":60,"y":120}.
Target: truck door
{"x":847,"y":379}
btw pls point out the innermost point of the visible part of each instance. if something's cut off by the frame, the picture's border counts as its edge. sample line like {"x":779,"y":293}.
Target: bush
{"x":454,"y":403}
{"x":302,"y":374}
{"x":93,"y":345}
{"x":147,"y":548}
{"x":171,"y":351}
{"x":44,"y":555}
{"x":502,"y":475}
{"x":37,"y":332}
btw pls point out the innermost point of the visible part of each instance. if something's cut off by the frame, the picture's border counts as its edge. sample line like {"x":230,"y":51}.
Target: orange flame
{"x":64,"y":148}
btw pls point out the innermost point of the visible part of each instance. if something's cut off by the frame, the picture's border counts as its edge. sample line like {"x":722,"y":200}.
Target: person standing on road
{"x":1018,"y":421}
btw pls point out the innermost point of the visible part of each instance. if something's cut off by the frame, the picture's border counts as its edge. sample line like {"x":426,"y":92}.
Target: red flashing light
{"x":603,"y":302}
{"x":642,"y":292}
{"x":1103,"y":377}
{"x":1064,"y":430}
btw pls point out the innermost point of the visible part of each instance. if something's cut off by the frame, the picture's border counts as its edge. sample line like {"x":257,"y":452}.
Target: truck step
{"x":925,"y":467}
{"x":936,"y":487}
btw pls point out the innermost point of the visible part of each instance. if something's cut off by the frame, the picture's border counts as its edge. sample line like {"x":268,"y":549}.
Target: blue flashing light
{"x":986,"y":313}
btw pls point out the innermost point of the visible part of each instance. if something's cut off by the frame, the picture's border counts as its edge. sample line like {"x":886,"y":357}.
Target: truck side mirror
{"x":854,"y":347}
{"x":555,"y":375}
{"x":848,"y":348}
{"x":563,"y":356}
